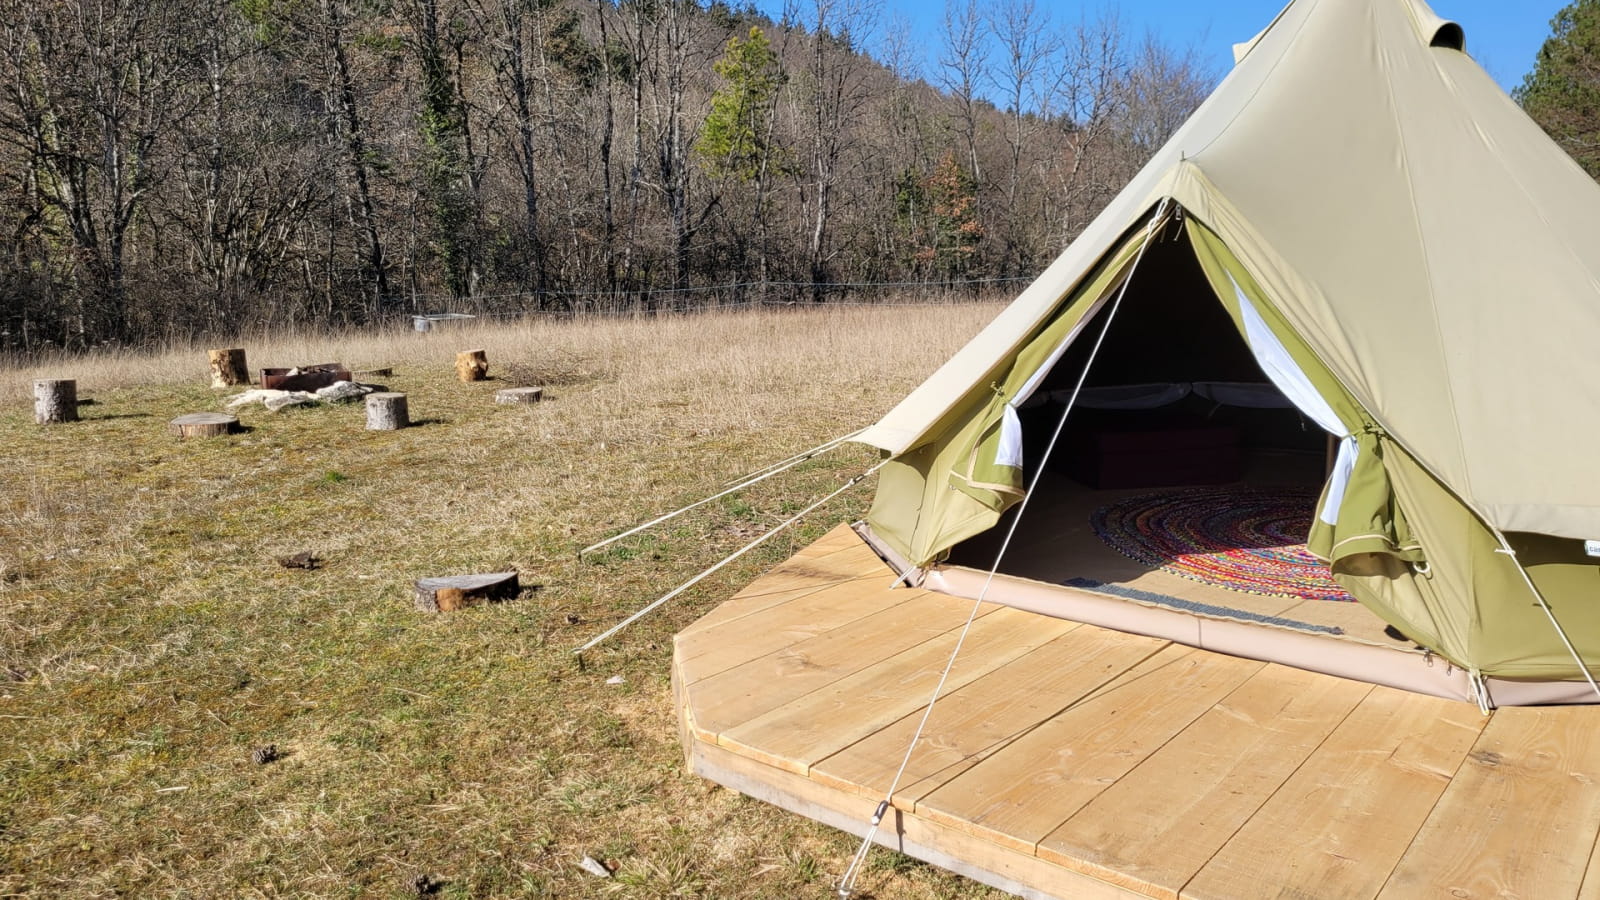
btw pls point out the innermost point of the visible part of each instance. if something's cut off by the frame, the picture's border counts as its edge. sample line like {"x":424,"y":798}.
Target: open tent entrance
{"x":1178,"y":497}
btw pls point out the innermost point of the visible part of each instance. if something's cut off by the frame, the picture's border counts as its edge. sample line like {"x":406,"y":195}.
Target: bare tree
{"x":836,"y":85}
{"x":250,"y":175}
{"x":508,"y":30}
{"x":1085,"y":105}
{"x":203,"y":165}
{"x":963,"y":70}
{"x":670,"y":45}
{"x":611,"y":60}
{"x":1021,"y":80}
{"x":901,"y":161}
{"x":90,"y":89}
{"x":1162,"y":87}
{"x":330,"y":30}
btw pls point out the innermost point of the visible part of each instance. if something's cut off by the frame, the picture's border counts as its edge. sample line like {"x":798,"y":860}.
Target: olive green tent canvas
{"x":1419,"y":263}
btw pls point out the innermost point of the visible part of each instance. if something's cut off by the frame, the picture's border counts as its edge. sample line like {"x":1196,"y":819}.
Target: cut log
{"x":204,"y":424}
{"x":519,"y":395}
{"x":386,"y":411}
{"x":472,"y":365}
{"x":455,"y":592}
{"x":385,"y":372}
{"x":228,"y":367}
{"x":55,"y":401}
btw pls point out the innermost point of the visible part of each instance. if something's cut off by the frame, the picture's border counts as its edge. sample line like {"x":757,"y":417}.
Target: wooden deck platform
{"x":1071,"y":761}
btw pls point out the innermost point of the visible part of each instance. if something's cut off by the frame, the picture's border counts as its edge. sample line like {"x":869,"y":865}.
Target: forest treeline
{"x":185,"y":167}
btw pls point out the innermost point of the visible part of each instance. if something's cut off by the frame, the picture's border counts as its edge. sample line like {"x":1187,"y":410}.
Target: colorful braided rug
{"x":1243,"y":539}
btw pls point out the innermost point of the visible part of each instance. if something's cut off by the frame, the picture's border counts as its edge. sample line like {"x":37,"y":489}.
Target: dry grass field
{"x":149,"y":640}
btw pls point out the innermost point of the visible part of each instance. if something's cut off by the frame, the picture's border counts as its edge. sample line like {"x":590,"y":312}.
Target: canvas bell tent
{"x":1358,"y":268}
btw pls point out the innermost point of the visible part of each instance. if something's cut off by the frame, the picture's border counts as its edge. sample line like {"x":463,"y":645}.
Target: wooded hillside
{"x":179,"y":167}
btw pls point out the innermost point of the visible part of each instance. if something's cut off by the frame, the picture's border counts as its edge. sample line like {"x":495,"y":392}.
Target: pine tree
{"x":1562,"y":93}
{"x":737,"y":137}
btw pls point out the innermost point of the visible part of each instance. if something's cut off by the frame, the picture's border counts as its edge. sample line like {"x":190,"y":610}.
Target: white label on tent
{"x":1592,"y":548}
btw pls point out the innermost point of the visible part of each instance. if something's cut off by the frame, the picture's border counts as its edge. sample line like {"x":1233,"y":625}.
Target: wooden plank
{"x":774,"y":593}
{"x":806,"y":614}
{"x":973,"y":722}
{"x":739,"y":694}
{"x":685,"y":715}
{"x":1026,"y":790}
{"x":1591,"y":876}
{"x":1016,"y":873}
{"x":1155,"y":828}
{"x":798,"y":734}
{"x":1520,"y":817}
{"x":849,"y":560}
{"x":848,"y":564}
{"x":839,"y":537}
{"x":825,"y":553}
{"x":1339,"y":824}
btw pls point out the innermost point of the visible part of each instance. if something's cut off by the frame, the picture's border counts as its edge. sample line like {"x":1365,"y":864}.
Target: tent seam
{"x":1427,"y":267}
{"x":1247,"y":102}
{"x":1563,"y":235}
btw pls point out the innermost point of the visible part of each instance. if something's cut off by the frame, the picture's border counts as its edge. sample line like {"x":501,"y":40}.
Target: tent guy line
{"x":1566,"y":640}
{"x":755,"y":477}
{"x":847,"y":881}
{"x":735,"y":555}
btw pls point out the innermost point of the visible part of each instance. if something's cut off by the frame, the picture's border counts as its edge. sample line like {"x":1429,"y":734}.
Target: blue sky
{"x":1502,"y":35}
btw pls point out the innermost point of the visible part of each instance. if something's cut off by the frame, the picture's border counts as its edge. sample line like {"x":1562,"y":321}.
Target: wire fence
{"x":24,"y":341}
{"x":728,"y":296}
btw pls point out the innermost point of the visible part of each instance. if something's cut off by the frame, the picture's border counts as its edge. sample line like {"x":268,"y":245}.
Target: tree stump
{"x":386,"y":411}
{"x":228,"y":367}
{"x":472,"y":365}
{"x":519,"y":395}
{"x":203,"y":425}
{"x":455,"y":592}
{"x":55,"y":401}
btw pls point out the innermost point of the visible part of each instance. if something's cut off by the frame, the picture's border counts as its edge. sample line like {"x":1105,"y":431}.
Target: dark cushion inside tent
{"x":1153,"y":452}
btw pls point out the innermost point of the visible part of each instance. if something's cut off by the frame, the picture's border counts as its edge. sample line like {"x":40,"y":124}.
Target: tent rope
{"x":736,"y":554}
{"x":1480,"y":691}
{"x":802,"y":457}
{"x":755,"y":477}
{"x":847,"y":882}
